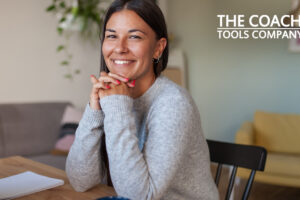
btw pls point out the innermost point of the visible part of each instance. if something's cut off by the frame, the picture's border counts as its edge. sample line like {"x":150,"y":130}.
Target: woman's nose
{"x":121,"y":46}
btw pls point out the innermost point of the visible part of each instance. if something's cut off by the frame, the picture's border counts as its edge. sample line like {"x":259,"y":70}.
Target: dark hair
{"x":153,"y":16}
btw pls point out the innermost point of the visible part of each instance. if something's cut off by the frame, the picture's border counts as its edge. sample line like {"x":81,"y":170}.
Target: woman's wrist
{"x":95,"y":104}
{"x":116,"y":104}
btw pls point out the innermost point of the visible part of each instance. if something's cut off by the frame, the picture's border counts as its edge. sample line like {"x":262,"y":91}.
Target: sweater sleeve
{"x":144,"y":175}
{"x":83,"y":166}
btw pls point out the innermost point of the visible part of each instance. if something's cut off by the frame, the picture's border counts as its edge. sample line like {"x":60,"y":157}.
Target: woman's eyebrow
{"x":136,"y":30}
{"x":110,"y":30}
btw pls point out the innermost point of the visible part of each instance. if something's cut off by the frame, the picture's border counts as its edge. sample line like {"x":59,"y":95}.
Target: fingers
{"x":131,"y":83}
{"x":101,"y":85}
{"x":123,"y":79}
{"x":97,"y":85}
{"x":116,"y":76}
{"x":108,"y":79}
{"x":103,"y":79}
{"x":94,"y":79}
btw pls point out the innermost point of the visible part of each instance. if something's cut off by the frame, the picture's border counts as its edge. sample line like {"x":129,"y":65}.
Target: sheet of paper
{"x":26,"y":183}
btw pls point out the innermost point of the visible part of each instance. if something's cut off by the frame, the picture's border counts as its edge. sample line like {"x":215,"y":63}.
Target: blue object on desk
{"x":113,"y":198}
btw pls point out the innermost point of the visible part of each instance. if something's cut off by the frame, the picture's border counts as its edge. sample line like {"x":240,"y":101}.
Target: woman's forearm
{"x":83,"y":166}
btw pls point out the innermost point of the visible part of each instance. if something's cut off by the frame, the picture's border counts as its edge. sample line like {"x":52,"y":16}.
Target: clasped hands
{"x":109,"y":84}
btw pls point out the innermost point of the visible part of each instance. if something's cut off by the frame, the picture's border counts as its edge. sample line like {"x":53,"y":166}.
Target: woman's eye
{"x":135,"y":37}
{"x":110,"y":36}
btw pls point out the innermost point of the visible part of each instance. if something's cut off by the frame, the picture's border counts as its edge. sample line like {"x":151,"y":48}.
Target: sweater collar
{"x":150,"y":94}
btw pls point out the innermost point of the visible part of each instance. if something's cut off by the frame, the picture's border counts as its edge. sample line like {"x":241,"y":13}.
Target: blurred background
{"x":228,"y":79}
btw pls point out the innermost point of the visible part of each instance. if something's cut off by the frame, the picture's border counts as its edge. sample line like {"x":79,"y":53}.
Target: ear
{"x":160,"y":46}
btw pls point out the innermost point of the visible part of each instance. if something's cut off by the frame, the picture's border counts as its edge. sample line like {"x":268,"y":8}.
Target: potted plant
{"x":83,"y":16}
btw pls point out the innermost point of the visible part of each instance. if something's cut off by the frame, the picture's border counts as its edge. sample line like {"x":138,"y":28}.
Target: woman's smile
{"x":123,"y":67}
{"x":122,"y":62}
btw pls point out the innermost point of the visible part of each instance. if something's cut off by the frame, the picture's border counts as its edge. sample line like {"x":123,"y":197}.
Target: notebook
{"x":26,"y":183}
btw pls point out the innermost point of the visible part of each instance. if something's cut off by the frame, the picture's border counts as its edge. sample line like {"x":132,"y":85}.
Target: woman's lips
{"x":122,"y":67}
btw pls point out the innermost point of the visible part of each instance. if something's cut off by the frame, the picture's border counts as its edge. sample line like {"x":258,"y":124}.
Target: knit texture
{"x":155,"y":146}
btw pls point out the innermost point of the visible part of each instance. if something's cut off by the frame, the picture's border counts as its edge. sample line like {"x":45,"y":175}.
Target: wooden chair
{"x":237,"y":155}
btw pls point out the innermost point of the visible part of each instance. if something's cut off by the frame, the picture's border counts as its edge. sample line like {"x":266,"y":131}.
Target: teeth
{"x":121,"y":62}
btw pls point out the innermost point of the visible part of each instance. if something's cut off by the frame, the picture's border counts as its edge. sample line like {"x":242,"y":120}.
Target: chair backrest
{"x":237,"y":155}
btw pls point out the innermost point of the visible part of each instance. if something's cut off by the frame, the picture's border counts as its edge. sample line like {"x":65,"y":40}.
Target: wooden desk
{"x":17,"y":164}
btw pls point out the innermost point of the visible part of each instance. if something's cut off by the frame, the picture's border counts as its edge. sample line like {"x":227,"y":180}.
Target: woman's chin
{"x":124,"y":74}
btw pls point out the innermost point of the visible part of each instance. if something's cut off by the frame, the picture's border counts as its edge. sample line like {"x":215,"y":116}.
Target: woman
{"x":153,"y":138}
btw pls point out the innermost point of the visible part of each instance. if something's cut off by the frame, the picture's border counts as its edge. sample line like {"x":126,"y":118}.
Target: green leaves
{"x":60,"y":47}
{"x":62,"y":4}
{"x":51,"y":8}
{"x":60,"y":30}
{"x":62,"y":20}
{"x":68,"y":76}
{"x":84,"y":16}
{"x":65,"y":62}
{"x":74,"y":11}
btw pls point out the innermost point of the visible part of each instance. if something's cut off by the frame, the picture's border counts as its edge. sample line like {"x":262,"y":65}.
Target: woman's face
{"x":129,"y":45}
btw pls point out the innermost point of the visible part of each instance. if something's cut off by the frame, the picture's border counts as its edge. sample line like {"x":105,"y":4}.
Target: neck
{"x":142,"y":85}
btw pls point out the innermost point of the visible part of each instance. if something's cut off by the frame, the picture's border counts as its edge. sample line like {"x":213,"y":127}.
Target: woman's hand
{"x":121,"y":78}
{"x":124,"y":88}
{"x":105,"y":83}
{"x":101,"y":83}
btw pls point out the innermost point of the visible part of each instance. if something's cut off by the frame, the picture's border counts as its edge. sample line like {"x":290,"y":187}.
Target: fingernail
{"x":118,"y":81}
{"x":126,"y":79}
{"x":133,"y":82}
{"x":108,"y":87}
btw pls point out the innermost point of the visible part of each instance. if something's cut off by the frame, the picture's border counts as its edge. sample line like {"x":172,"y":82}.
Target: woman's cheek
{"x":107,"y":48}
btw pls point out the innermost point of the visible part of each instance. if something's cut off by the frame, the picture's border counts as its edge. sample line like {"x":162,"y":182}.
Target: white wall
{"x":230,"y":79}
{"x":29,"y":64}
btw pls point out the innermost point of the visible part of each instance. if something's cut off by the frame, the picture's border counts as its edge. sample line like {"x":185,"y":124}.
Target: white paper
{"x":26,"y":183}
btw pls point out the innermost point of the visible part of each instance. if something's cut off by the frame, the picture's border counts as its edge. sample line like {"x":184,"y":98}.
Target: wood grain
{"x":17,"y":164}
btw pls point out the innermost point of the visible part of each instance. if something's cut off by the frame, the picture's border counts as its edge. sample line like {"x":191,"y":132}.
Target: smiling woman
{"x":140,"y":131}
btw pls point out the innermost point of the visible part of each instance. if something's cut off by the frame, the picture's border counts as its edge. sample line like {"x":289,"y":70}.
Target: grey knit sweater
{"x":155,"y":146}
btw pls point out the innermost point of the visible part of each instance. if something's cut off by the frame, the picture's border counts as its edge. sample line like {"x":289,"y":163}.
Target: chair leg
{"x":235,"y":187}
{"x":231,"y":183}
{"x":249,"y":185}
{"x":218,"y":174}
